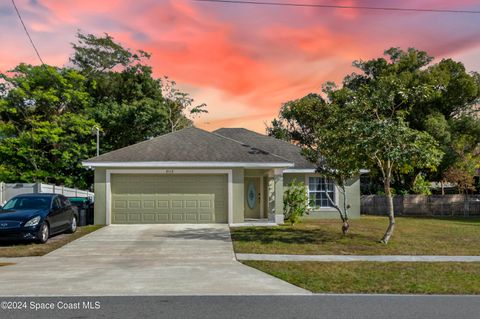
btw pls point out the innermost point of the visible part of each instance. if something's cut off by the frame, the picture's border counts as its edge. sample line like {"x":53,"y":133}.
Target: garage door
{"x":185,"y":198}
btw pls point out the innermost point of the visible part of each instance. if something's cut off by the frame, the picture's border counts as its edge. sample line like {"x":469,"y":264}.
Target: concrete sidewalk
{"x":344,"y":258}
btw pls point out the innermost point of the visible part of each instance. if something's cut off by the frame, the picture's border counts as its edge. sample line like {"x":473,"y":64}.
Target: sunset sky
{"x":243,"y":61}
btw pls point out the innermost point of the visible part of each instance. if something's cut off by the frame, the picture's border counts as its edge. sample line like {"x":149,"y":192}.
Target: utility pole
{"x":98,"y":140}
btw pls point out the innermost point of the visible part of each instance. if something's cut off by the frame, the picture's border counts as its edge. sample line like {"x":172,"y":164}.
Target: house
{"x":194,"y":176}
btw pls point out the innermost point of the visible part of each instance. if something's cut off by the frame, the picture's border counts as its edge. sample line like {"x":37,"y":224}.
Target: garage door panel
{"x":162,"y":204}
{"x":120,"y":204}
{"x":162,"y":217}
{"x":133,"y":204}
{"x":149,"y":198}
{"x":119,"y":218}
{"x":134,"y":217}
{"x":149,"y":204}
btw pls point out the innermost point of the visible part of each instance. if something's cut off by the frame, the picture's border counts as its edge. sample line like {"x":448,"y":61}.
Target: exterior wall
{"x":353,"y":198}
{"x":100,"y":200}
{"x":278,"y":198}
{"x":273,"y":205}
{"x":265,"y":197}
{"x":255,"y":172}
{"x":238,"y":195}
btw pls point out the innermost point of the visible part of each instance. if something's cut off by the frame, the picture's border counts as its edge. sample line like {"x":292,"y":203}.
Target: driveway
{"x":142,"y":260}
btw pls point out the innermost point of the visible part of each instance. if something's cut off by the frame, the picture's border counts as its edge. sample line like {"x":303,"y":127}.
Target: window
{"x":27,"y":203}
{"x":56,"y":203}
{"x":65,"y":201}
{"x":318,"y":188}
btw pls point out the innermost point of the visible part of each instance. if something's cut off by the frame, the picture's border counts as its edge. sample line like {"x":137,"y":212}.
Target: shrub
{"x":421,"y":186}
{"x":295,"y":202}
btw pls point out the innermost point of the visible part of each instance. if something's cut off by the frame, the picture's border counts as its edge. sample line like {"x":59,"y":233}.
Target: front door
{"x":253,"y":200}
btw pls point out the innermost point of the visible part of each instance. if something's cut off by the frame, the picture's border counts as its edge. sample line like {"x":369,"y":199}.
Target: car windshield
{"x":28,"y":203}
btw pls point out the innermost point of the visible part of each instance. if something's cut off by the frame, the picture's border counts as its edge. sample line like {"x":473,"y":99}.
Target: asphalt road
{"x":248,"y":307}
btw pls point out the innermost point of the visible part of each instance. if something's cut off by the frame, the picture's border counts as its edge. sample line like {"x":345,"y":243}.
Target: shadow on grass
{"x":28,"y":242}
{"x":292,"y":235}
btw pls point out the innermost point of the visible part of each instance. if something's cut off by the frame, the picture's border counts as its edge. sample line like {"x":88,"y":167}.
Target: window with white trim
{"x":318,"y":187}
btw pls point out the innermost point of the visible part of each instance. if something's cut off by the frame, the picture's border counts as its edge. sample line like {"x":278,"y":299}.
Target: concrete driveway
{"x":142,"y":260}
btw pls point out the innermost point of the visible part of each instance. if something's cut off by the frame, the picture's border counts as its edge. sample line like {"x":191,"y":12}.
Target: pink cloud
{"x":256,"y":57}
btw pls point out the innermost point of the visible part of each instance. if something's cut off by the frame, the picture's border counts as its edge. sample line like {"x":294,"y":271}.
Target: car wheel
{"x":43,"y":234}
{"x":73,"y":225}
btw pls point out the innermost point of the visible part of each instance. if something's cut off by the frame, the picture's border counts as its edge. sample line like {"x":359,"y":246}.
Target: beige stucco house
{"x":194,"y":176}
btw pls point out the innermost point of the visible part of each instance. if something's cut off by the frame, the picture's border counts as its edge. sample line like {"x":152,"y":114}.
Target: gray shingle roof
{"x":268,"y":144}
{"x":191,"y":145}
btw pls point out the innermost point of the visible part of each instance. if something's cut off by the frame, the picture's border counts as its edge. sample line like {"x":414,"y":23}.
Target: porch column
{"x":275,"y":196}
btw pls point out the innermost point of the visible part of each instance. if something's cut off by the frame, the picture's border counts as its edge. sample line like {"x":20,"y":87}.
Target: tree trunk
{"x":344,"y":215}
{"x":391,"y":215}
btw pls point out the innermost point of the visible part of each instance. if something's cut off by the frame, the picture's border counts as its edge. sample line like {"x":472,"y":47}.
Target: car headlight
{"x":33,"y":222}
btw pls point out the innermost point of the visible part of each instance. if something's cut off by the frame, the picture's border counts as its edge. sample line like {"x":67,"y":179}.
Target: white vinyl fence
{"x":8,"y":190}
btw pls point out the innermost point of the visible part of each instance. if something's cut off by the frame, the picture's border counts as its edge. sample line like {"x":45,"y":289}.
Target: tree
{"x":318,"y":126}
{"x":47,"y":113}
{"x":129,"y":103}
{"x":44,"y":130}
{"x":178,"y":104}
{"x":43,"y":91}
{"x":377,"y":101}
{"x":370,"y":113}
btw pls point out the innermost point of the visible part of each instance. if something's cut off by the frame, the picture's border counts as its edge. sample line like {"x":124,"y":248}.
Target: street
{"x":232,"y":307}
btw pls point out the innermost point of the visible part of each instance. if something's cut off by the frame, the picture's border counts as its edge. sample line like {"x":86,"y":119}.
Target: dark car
{"x":37,"y":217}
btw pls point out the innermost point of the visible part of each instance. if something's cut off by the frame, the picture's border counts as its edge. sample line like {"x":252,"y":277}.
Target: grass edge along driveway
{"x":413,"y":236}
{"x":377,"y":277}
{"x":28,"y":249}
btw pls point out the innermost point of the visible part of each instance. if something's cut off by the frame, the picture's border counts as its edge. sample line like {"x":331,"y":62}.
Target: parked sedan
{"x":37,"y":217}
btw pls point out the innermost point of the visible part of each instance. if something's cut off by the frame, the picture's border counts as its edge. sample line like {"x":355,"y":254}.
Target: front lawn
{"x":377,"y":277}
{"x":413,"y":236}
{"x":32,"y":249}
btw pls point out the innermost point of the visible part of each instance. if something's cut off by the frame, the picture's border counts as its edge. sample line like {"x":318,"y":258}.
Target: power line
{"x":287,"y":4}
{"x":26,"y":31}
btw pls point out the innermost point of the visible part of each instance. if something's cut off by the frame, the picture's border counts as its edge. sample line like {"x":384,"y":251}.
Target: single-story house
{"x":193,"y":176}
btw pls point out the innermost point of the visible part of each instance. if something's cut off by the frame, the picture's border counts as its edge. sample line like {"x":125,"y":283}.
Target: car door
{"x":55,"y":215}
{"x":67,"y":212}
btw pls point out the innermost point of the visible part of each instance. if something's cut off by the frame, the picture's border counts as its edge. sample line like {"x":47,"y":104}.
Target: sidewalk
{"x":342,"y":258}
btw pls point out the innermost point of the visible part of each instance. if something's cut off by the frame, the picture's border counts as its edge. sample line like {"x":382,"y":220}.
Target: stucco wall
{"x":238,"y":195}
{"x":238,"y":175}
{"x":100,"y":200}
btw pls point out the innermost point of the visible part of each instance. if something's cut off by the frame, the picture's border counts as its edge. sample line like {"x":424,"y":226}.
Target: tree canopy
{"x":48,"y":113}
{"x":396,"y":115}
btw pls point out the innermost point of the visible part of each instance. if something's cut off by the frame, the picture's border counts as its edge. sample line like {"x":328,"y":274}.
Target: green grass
{"x":26,"y":249}
{"x":376,"y":277}
{"x":413,"y":236}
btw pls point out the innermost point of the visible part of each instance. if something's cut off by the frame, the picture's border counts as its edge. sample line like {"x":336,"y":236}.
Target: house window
{"x":318,"y":188}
